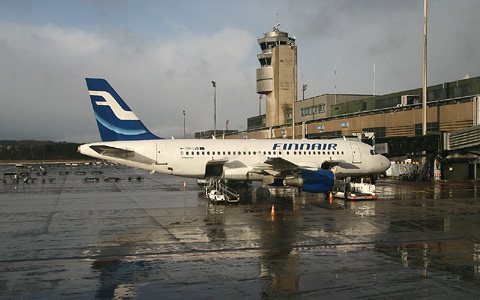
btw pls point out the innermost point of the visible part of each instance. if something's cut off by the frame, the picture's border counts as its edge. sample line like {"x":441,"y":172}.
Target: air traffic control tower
{"x":277,"y":77}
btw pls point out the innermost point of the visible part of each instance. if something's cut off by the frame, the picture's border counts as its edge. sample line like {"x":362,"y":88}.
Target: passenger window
{"x":288,"y":152}
{"x":198,"y":153}
{"x":244,"y":152}
{"x":254,"y":153}
{"x":203,"y":152}
{"x":229,"y":152}
{"x":208,"y":152}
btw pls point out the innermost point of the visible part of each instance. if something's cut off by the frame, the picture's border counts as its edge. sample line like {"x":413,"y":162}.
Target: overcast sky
{"x":161,"y":56}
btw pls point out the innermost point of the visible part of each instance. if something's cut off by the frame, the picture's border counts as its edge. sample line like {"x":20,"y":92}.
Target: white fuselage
{"x":241,"y":158}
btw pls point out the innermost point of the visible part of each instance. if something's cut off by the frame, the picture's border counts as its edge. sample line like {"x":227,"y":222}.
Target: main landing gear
{"x":262,"y":193}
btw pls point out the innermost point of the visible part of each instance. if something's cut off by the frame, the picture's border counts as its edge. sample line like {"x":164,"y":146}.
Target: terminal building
{"x":392,"y":122}
{"x":451,"y":106}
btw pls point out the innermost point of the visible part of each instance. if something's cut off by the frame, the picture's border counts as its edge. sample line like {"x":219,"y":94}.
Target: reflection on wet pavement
{"x":151,"y":237}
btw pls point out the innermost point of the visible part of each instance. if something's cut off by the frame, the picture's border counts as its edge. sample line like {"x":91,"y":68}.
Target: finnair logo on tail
{"x":119,"y":112}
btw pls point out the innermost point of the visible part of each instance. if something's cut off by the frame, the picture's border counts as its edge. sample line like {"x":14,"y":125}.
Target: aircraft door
{"x":356,"y":154}
{"x":161,"y":154}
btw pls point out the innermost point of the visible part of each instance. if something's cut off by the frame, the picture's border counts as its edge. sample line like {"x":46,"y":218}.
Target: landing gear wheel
{"x":262,"y":193}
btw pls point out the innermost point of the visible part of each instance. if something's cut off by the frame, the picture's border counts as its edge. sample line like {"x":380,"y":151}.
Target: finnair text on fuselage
{"x":305,"y":146}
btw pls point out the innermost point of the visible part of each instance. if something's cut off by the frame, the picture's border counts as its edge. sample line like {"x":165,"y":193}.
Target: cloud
{"x":355,"y":34}
{"x":161,"y":58}
{"x":43,"y":70}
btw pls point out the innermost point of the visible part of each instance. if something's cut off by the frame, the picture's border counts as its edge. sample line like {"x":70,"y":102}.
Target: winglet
{"x":115,"y":120}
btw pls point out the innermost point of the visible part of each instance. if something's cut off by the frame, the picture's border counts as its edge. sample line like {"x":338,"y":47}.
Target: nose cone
{"x":383,"y":163}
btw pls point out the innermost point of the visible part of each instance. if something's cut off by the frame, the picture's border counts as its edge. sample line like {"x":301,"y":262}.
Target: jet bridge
{"x":467,"y":139}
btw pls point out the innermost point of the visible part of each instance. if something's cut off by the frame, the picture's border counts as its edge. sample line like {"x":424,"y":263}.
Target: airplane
{"x":310,"y":165}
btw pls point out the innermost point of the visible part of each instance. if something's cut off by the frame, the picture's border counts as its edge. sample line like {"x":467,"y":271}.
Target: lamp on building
{"x":260,"y":105}
{"x":304,"y":88}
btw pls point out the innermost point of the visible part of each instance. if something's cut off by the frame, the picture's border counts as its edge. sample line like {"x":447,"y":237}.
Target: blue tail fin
{"x":115,"y":120}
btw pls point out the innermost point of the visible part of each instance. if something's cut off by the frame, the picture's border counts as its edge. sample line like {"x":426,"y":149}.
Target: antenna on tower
{"x":335,"y":74}
{"x":275,"y":28}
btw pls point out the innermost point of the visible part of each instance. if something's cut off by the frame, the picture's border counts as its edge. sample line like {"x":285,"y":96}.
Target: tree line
{"x":39,"y":150}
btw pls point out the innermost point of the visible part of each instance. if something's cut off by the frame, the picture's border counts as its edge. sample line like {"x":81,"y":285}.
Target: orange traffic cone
{"x":185,"y":184}
{"x":331,"y":196}
{"x":273,"y":210}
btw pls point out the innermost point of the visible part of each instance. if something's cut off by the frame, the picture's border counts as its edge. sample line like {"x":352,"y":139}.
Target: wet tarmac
{"x":153,"y":239}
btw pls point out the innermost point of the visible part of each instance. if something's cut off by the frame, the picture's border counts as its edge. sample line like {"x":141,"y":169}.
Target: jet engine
{"x":320,"y":181}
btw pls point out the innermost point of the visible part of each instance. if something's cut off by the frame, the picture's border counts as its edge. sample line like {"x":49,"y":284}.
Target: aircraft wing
{"x":341,"y":163}
{"x":113,"y":151}
{"x":277,"y":165}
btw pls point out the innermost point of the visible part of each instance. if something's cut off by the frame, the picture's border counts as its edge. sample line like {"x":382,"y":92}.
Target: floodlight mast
{"x":214,"y":84}
{"x":424,"y":96}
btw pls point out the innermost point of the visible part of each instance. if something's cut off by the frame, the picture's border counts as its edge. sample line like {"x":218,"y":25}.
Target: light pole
{"x":214,"y":84}
{"x":184,"y":132}
{"x":424,"y":91}
{"x":226,"y":128}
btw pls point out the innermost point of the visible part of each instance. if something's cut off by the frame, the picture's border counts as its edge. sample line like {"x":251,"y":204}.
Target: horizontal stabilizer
{"x":112,"y":151}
